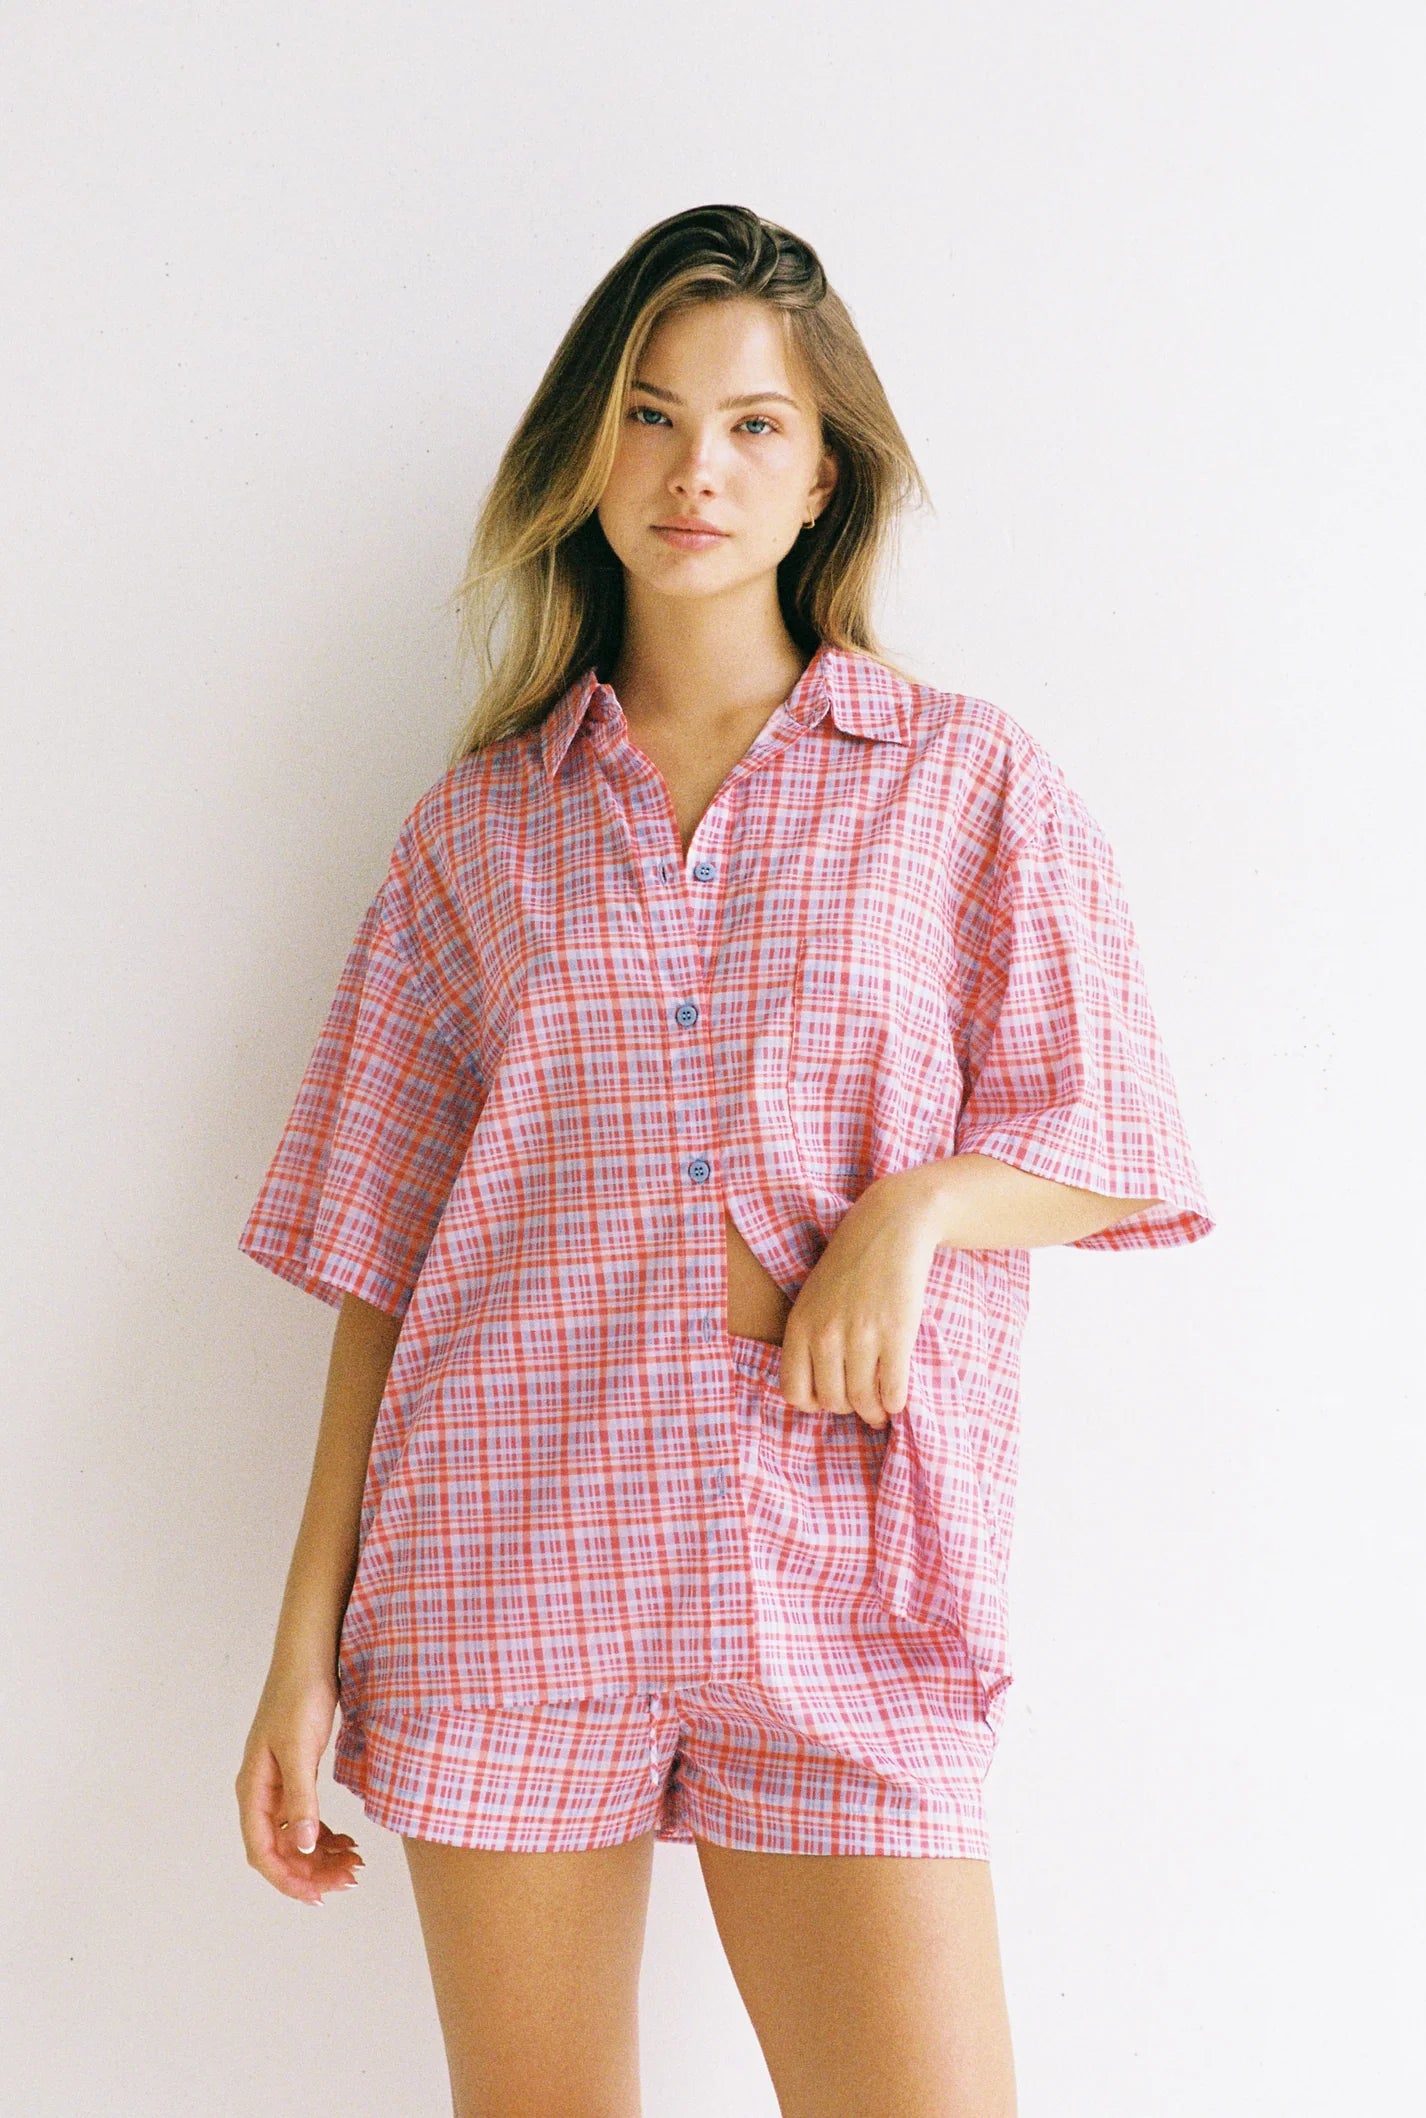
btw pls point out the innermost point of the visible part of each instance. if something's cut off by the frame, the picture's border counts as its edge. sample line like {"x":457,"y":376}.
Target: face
{"x":716,"y":427}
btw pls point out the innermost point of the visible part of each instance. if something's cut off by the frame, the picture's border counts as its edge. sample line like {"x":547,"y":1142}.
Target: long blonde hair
{"x":540,"y":568}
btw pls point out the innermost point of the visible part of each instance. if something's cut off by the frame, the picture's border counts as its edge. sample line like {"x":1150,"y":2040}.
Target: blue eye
{"x":753,"y":418}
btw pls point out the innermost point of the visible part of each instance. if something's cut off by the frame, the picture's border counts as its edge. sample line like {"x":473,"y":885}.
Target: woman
{"x":736,"y":1014}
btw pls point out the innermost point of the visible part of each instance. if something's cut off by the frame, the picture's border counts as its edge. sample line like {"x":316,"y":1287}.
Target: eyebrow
{"x":729,"y":404}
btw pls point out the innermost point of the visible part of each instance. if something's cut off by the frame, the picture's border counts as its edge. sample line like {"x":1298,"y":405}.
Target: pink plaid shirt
{"x":559,"y":1049}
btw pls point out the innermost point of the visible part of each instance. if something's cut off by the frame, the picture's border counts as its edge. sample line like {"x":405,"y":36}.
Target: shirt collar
{"x":863,"y":696}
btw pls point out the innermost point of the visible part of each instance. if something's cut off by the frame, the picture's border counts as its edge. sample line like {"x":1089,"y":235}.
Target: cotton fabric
{"x":560,"y":1049}
{"x":850,"y":1733}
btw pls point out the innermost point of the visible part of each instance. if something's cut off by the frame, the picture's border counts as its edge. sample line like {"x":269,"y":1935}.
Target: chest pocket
{"x":871,"y":1081}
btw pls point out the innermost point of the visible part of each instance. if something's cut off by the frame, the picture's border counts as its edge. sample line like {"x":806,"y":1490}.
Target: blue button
{"x":704,"y":871}
{"x":685,"y":1014}
{"x":699,"y":1170}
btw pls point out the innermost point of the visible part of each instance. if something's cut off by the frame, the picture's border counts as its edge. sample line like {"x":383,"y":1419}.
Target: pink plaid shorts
{"x":856,"y":1733}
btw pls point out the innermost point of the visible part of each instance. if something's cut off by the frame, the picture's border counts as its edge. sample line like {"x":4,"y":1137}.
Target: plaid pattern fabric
{"x":559,"y":1050}
{"x":856,"y":1734}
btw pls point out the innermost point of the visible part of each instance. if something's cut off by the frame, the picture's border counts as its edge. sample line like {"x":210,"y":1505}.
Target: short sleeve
{"x":1064,"y":1068}
{"x":378,"y":1131}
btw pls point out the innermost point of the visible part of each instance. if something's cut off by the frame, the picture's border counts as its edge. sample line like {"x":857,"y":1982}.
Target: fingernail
{"x":304,"y":1836}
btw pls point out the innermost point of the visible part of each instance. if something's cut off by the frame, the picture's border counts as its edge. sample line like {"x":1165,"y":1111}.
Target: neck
{"x":682,"y":664}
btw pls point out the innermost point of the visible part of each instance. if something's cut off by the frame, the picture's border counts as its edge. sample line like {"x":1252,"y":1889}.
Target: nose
{"x":695,"y":470}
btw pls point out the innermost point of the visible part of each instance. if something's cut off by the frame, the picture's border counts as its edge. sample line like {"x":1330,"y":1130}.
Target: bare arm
{"x":277,"y":1782}
{"x":324,"y":1558}
{"x":974,"y":1202}
{"x":847,"y":1342}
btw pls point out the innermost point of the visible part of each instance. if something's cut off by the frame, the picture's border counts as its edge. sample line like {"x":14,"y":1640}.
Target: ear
{"x":826,"y":478}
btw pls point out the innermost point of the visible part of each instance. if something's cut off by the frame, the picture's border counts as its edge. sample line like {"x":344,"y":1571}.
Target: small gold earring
{"x":810,"y":523}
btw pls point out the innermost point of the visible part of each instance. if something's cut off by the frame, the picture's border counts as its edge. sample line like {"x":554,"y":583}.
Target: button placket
{"x":678,"y":914}
{"x":683,"y":902}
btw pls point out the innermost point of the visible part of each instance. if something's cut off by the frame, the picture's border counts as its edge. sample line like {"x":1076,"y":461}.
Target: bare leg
{"x":873,"y":1981}
{"x":534,"y":1961}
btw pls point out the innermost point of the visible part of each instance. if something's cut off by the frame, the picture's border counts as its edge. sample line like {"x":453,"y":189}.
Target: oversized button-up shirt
{"x":561,"y":1049}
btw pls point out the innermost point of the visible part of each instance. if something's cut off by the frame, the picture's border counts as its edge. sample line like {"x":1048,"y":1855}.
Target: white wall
{"x":1145,"y":288}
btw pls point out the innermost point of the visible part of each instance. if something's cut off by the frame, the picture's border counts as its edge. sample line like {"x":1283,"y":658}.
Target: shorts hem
{"x":409,"y":1820}
{"x":944,"y":1837}
{"x":420,"y":1805}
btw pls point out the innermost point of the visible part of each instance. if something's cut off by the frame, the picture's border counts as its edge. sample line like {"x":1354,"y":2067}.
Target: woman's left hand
{"x":847,"y":1341}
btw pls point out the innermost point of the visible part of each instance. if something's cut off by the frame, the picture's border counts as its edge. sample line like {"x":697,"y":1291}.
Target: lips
{"x":685,"y":537}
